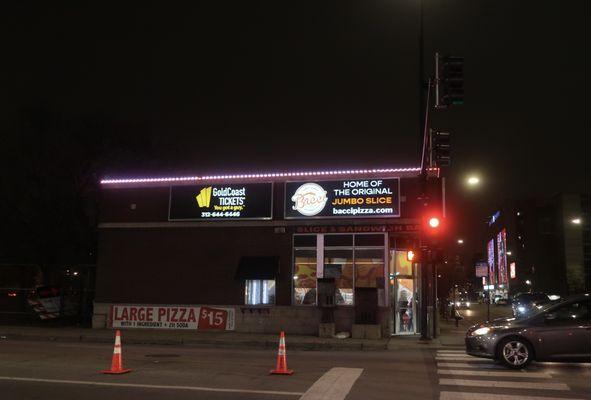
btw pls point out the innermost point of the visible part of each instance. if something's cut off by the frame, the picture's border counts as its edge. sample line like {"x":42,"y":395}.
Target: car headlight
{"x":521,"y":309}
{"x":458,"y":303}
{"x":467,"y":304}
{"x":481,"y":331}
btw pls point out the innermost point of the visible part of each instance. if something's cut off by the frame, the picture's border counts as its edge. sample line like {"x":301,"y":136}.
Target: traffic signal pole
{"x":426,"y":272}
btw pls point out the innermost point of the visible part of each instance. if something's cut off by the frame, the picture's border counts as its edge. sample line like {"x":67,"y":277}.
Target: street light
{"x":460,"y":241}
{"x":473,"y":180}
{"x":576,"y":221}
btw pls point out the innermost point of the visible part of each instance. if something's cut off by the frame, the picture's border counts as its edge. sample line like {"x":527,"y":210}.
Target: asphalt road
{"x":51,"y":370}
{"x":405,"y":373}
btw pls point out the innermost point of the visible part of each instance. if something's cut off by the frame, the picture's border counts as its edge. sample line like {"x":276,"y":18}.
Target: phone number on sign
{"x":227,"y":214}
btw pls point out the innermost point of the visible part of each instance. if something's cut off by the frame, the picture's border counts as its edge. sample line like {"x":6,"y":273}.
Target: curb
{"x":388,"y":344}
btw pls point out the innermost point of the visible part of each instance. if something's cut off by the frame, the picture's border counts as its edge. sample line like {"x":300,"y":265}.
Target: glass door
{"x":403,"y":294}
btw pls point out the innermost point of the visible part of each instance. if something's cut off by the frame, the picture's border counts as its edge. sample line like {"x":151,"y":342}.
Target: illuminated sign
{"x":502,"y":256}
{"x":492,"y":276}
{"x":512,"y":271}
{"x":481,"y":269}
{"x":357,"y":198}
{"x":309,"y":199}
{"x":221,"y":202}
{"x":494,"y":218}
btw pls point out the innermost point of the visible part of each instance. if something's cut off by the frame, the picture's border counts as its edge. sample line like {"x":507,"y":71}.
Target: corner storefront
{"x":308,"y":253}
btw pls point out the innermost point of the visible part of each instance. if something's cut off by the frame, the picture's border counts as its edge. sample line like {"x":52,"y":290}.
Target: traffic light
{"x":449,"y":79}
{"x":432,"y":224}
{"x":440,"y":149}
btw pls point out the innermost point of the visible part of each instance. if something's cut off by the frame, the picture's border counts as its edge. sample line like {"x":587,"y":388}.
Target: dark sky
{"x":250,"y":86}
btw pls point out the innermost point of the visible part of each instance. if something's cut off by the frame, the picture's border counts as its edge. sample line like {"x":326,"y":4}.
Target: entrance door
{"x":403,"y":294}
{"x":405,"y":307}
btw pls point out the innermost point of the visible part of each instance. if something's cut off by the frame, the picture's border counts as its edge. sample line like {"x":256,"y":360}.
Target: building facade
{"x":546,"y":243}
{"x":299,"y":252}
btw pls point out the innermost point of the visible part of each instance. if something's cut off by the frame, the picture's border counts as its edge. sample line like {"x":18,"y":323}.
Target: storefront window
{"x":304,"y":276}
{"x":259,"y":291}
{"x":338,"y":264}
{"x":369,"y":267}
{"x":351,"y":260}
{"x":399,"y":261}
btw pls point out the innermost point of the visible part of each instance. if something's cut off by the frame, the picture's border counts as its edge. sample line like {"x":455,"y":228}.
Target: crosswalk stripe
{"x":456,"y":356}
{"x":472,"y":359}
{"x":490,"y":396}
{"x":466,"y":365}
{"x":504,"y":384}
{"x":512,"y":374}
{"x":333,"y":385}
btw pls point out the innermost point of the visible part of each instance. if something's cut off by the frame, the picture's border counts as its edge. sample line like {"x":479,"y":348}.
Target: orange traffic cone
{"x":117,"y":362}
{"x":281,"y":368}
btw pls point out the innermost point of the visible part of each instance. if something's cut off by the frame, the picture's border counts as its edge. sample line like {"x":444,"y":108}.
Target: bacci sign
{"x":347,"y":198}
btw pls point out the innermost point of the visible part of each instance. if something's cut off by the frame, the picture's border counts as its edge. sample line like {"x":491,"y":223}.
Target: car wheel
{"x":515,"y":353}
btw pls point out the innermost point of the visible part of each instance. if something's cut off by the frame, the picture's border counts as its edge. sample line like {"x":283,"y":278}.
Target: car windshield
{"x":545,"y":306}
{"x":531,"y":297}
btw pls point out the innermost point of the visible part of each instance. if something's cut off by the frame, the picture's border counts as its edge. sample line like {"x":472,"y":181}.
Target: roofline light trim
{"x":260,"y":175}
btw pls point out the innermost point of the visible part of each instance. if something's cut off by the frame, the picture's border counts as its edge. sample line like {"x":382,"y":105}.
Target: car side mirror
{"x":550,"y":317}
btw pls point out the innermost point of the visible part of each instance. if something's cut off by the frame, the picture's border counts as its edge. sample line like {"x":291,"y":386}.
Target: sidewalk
{"x":209,"y":339}
{"x":450,"y":335}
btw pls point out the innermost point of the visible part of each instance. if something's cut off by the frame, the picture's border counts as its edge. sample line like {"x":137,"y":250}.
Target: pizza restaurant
{"x":306,"y":252}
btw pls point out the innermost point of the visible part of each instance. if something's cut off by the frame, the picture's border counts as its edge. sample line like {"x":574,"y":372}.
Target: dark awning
{"x":257,"y":268}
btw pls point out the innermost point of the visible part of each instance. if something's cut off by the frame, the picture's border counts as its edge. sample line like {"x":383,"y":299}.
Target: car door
{"x":564,"y":332}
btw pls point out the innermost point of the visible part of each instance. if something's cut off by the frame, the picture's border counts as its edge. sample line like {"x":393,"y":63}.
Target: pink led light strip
{"x":259,"y":176}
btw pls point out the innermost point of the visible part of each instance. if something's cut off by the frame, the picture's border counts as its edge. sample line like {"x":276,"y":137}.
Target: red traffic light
{"x":434,"y":222}
{"x":410,"y":255}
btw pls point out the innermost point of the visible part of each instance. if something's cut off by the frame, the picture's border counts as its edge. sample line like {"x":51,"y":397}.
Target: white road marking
{"x":466,"y":365}
{"x":141,"y":386}
{"x":461,"y":355}
{"x":451,"y":351}
{"x":504,"y":384}
{"x":490,"y":396}
{"x":467,"y":358}
{"x":513,"y":374}
{"x":333,"y":385}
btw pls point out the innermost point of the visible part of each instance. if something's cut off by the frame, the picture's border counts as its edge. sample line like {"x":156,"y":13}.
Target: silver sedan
{"x":560,"y":332}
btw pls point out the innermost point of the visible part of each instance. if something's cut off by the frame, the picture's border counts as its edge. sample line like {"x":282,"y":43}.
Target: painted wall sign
{"x":358,"y":228}
{"x":357,"y":198}
{"x":221,"y":202}
{"x":171,"y":317}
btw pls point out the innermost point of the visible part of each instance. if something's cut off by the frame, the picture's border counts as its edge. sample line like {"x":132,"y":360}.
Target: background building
{"x":548,"y":244}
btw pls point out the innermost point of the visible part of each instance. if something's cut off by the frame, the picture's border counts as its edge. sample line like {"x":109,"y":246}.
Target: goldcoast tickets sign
{"x":221,"y":202}
{"x":351,"y":198}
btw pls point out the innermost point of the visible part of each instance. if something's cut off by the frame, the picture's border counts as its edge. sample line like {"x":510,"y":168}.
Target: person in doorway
{"x":402,"y":307}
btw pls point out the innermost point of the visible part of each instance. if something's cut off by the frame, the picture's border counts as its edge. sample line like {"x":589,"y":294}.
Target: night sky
{"x":119,"y":90}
